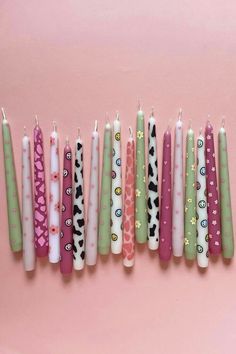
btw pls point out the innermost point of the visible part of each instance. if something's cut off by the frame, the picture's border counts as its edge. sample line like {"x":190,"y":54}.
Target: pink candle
{"x":66,"y":241}
{"x":165,"y":246}
{"x":128,"y":221}
{"x":212,"y":194}
{"x":40,"y":202}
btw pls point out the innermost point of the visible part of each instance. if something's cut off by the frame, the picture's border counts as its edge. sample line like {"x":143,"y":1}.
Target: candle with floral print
{"x":178,"y":193}
{"x":165,"y":246}
{"x":129,"y":207}
{"x":225,"y":197}
{"x":92,"y":219}
{"x":13,"y":208}
{"x":40,"y":200}
{"x":66,"y":241}
{"x":27,"y":207}
{"x":54,"y":198}
{"x":212,"y":194}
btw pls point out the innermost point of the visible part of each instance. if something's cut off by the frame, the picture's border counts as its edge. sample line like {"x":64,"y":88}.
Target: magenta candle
{"x":66,"y":240}
{"x":212,"y":194}
{"x":165,"y":246}
{"x":40,"y":201}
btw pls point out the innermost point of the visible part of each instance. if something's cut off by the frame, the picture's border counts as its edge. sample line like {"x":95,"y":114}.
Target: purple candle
{"x":66,"y":241}
{"x":212,"y":194}
{"x":165,"y":247}
{"x":40,"y":201}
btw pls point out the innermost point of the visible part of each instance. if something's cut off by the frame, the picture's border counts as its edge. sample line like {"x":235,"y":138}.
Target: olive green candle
{"x":104,"y":236}
{"x":225,"y":197}
{"x":190,"y":231}
{"x":141,"y":224}
{"x":13,"y":208}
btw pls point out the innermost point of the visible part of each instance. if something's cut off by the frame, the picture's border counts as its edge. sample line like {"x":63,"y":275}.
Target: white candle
{"x":178,"y":194}
{"x":153,"y":195}
{"x":92,"y":220}
{"x":78,"y":212}
{"x":54,"y":199}
{"x":27,"y":207}
{"x":116,"y":199}
{"x":202,"y":228}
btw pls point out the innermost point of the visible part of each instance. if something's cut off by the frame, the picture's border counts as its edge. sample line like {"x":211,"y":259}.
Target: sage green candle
{"x":190,"y":231}
{"x":104,"y":236}
{"x":141,"y":224}
{"x":13,"y":208}
{"x":225,"y":198}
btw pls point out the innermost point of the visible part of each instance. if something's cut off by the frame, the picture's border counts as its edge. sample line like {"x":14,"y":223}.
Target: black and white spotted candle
{"x":153,"y":195}
{"x":78,"y":208}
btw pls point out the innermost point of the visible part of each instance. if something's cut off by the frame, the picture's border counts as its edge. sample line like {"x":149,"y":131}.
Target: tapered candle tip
{"x":54,"y":124}
{"x":36,"y":120}
{"x":223,"y":122}
{"x":3,"y":114}
{"x":139,"y":105}
{"x":24,"y":130}
{"x":107,"y":118}
{"x":200,"y":131}
{"x":180,"y":114}
{"x":152,"y":112}
{"x":190,"y":124}
{"x":131,"y":132}
{"x":96,"y":126}
{"x":67,"y":140}
{"x":117,"y":115}
{"x":78,"y":131}
{"x":169,"y":124}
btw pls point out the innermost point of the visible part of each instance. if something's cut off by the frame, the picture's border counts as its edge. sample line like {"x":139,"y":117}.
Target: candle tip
{"x":180,"y":114}
{"x":190,"y":124}
{"x":24,"y":130}
{"x":96,"y":126}
{"x":152,"y":112}
{"x":107,"y":118}
{"x":131,"y":132}
{"x":67,"y":140}
{"x":117,"y":115}
{"x":3,"y":114}
{"x":223,"y":122}
{"x":36,"y":120}
{"x":54,"y":124}
{"x":79,"y":132}
{"x":169,"y":124}
{"x":208,"y":119}
{"x":200,"y":131}
{"x":139,"y":105}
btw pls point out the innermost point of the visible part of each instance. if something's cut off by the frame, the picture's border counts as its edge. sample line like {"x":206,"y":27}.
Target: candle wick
{"x":3,"y":114}
{"x":117,"y":115}
{"x":190,"y":124}
{"x":96,"y":126}
{"x":169,"y":124}
{"x":54,"y":126}
{"x":152,"y":112}
{"x":79,"y":132}
{"x":180,"y":114}
{"x":200,"y":131}
{"x":107,"y":118}
{"x":223,"y":122}
{"x":36,"y":120}
{"x":139,"y":105}
{"x":131,"y":132}
{"x":67,"y":140}
{"x":24,"y":130}
{"x":208,"y":119}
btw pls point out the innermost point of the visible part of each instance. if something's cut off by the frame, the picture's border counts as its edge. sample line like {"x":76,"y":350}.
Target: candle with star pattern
{"x":225,"y":197}
{"x":165,"y":246}
{"x":13,"y":208}
{"x":212,"y":194}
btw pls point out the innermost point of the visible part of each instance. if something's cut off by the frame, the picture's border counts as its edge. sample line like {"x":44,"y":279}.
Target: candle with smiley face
{"x":66,"y":241}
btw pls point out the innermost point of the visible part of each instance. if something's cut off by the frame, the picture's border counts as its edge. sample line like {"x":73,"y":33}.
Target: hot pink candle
{"x":40,"y":202}
{"x":212,"y":194}
{"x":66,"y":241}
{"x":165,"y":245}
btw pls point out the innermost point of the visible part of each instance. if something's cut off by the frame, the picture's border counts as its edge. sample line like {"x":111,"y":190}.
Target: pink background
{"x":72,"y":61}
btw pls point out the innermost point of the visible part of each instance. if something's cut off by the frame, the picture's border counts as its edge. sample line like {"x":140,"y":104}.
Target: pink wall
{"x":72,"y":62}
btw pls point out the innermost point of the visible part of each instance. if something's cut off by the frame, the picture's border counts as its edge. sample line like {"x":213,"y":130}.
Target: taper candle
{"x":92,"y":219}
{"x":13,"y":208}
{"x":225,"y":197}
{"x":27,"y":207}
{"x":66,"y":240}
{"x":212,"y":194}
{"x":190,"y":227}
{"x":116,"y":198}
{"x":54,"y":198}
{"x":165,"y":246}
{"x":40,"y":202}
{"x":153,"y":195}
{"x":178,"y":192}
{"x":129,"y":207}
{"x":141,"y":221}
{"x":78,"y":214}
{"x":202,"y":223}
{"x":104,"y":237}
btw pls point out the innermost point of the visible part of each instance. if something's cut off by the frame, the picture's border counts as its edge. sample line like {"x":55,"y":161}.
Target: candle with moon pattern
{"x":190,"y":228}
{"x":141,"y":221}
{"x":212,"y":193}
{"x":165,"y":246}
{"x":116,"y":198}
{"x":129,"y":231}
{"x":104,"y":236}
{"x":54,"y":198}
{"x":78,"y":214}
{"x":92,"y":220}
{"x":202,"y":224}
{"x":178,"y":192}
{"x":225,"y":197}
{"x":153,"y":195}
{"x":66,"y":241}
{"x":27,"y":207}
{"x":40,"y":201}
{"x":13,"y":207}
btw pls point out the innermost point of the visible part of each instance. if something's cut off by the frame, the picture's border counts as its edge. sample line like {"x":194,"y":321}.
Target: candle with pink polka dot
{"x":40,"y":201}
{"x":66,"y":241}
{"x":212,"y":194}
{"x":165,"y":246}
{"x":92,"y":219}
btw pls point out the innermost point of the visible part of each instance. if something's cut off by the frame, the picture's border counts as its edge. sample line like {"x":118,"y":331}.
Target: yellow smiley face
{"x":117,"y":136}
{"x":118,"y":191}
{"x":114,"y":237}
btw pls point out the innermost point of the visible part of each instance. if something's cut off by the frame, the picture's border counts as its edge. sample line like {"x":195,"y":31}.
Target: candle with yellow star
{"x":190,"y":232}
{"x":141,"y":224}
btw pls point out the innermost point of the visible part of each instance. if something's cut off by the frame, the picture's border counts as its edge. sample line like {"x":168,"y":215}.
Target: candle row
{"x":189,"y":217}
